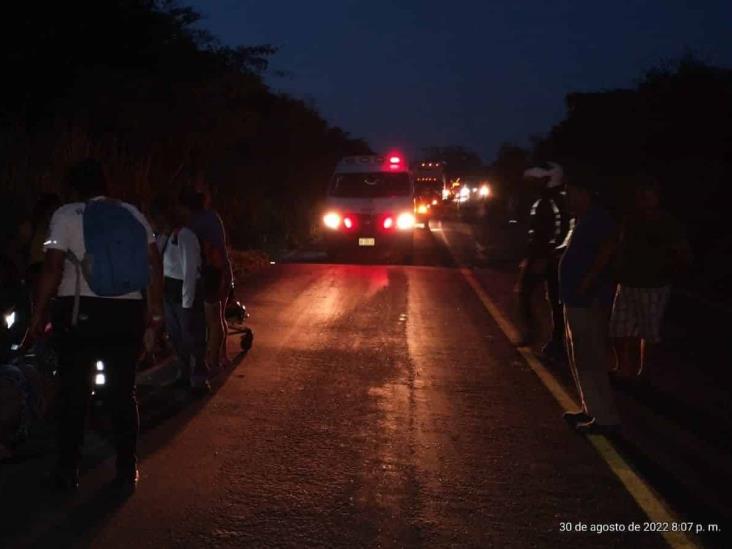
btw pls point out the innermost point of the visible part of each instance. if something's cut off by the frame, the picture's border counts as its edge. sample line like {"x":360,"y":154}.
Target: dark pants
{"x":110,"y":330}
{"x":187,"y":331}
{"x":527,"y":287}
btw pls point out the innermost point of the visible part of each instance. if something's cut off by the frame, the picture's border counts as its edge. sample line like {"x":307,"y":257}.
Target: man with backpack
{"x":100,"y":263}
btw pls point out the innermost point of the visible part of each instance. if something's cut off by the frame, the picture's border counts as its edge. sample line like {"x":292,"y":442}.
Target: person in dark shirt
{"x":586,"y":290}
{"x":216,"y":273}
{"x":548,"y":225}
{"x":651,"y":248}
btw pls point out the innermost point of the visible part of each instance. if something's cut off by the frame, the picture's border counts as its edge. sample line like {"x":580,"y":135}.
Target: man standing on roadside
{"x":586,"y":290}
{"x":100,"y":257}
{"x":548,"y":225}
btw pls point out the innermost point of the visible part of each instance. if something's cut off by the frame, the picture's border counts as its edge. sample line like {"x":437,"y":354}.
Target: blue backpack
{"x":116,"y":260}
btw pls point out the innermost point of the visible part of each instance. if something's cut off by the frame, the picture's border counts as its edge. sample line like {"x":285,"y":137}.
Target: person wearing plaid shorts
{"x":651,"y":248}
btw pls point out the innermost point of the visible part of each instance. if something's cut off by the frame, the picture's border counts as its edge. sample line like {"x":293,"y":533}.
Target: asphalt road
{"x":380,"y":406}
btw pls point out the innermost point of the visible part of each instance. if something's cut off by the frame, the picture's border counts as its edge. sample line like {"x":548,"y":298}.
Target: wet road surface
{"x":380,"y":406}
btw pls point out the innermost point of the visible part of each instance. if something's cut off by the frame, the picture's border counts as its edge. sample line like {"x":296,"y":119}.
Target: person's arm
{"x":682,"y":255}
{"x":190,"y":252}
{"x":155,"y":286}
{"x":52,"y":272}
{"x":48,"y":282}
{"x":599,"y":265}
{"x":541,"y":233}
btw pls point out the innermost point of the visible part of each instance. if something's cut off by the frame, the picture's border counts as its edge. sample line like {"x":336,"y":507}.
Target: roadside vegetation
{"x":163,"y":104}
{"x":675,"y":124}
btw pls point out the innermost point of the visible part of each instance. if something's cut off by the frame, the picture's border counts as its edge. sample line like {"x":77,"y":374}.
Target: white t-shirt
{"x":182,"y":261}
{"x":66,"y":232}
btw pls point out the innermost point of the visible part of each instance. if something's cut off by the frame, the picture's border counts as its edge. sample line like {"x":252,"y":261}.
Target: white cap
{"x":555,"y":174}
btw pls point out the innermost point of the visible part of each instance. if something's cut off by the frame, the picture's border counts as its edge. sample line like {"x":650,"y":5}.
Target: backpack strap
{"x":71,"y":256}
{"x":77,"y":263}
{"x":165,"y":246}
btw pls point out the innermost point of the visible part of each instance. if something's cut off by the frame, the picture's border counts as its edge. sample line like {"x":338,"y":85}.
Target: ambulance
{"x":370,"y":206}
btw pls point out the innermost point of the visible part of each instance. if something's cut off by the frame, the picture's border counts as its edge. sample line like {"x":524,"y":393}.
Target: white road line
{"x":652,"y":504}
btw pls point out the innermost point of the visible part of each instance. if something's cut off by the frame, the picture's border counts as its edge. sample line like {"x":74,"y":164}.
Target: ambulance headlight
{"x":332,"y":220}
{"x":405,"y":221}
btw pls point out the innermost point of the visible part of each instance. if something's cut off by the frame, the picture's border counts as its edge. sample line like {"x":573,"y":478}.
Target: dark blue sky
{"x":412,"y":73}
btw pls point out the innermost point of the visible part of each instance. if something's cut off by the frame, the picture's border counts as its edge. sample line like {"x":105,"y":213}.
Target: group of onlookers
{"x":107,"y":283}
{"x":197,"y":282}
{"x":608,"y":281}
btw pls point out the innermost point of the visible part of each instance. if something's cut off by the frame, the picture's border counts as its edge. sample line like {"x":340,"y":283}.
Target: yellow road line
{"x":652,"y":504}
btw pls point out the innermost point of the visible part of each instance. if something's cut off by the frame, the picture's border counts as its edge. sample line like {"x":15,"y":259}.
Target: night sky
{"x":413,"y":73}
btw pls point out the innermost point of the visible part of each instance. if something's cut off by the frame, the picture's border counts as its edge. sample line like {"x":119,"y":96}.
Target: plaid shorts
{"x":638,"y":312}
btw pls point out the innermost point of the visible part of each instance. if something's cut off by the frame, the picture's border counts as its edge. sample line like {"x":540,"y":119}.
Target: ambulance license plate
{"x":367,"y":242}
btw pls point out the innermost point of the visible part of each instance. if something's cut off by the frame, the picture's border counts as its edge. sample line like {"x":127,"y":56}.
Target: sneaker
{"x":125,"y":483}
{"x":181,"y":383}
{"x":553,"y":352}
{"x":200,"y":388}
{"x":66,"y":480}
{"x":594,"y":428}
{"x":575,"y":418}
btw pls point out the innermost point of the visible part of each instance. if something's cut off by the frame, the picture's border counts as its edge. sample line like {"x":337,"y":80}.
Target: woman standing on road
{"x":652,"y":247}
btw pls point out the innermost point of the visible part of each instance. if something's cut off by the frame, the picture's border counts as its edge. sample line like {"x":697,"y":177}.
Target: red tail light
{"x":388,"y":222}
{"x":348,"y":222}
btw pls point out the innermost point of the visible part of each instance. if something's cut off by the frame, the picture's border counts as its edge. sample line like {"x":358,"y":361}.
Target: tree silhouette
{"x":163,"y":104}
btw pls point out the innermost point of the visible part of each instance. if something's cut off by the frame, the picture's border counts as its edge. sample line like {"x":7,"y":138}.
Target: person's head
{"x":205,"y":198}
{"x":191,"y":201}
{"x":548,"y":176}
{"x":579,"y":197}
{"x":86,"y":179}
{"x":647,"y":196}
{"x":161,"y":214}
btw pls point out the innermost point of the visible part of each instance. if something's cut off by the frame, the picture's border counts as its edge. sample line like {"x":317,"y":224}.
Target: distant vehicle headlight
{"x":422,"y":209}
{"x":485,"y":191}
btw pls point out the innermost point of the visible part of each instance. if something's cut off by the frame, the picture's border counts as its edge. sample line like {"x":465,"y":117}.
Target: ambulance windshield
{"x":370,"y":185}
